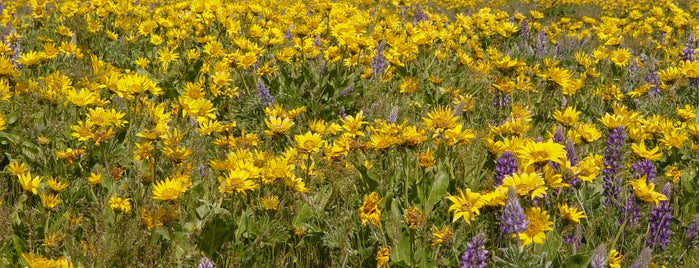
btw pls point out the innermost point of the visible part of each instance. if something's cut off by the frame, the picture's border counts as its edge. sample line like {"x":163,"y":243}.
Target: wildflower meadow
{"x":402,"y":133}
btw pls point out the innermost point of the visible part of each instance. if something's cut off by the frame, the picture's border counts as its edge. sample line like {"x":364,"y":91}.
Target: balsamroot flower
{"x":645,"y":191}
{"x":541,"y":153}
{"x":29,"y":184}
{"x":538,"y":224}
{"x":526,"y":184}
{"x":465,"y":205}
{"x":168,"y":190}
{"x":119,"y":204}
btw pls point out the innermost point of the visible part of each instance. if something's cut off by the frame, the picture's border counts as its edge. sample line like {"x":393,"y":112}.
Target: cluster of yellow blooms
{"x":168,"y":82}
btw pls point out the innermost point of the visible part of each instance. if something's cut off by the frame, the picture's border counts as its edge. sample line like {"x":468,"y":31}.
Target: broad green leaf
{"x":438,"y":189}
{"x":577,"y":260}
{"x":203,"y":210}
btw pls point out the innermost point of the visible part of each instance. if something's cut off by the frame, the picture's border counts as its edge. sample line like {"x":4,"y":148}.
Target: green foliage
{"x":131,"y":139}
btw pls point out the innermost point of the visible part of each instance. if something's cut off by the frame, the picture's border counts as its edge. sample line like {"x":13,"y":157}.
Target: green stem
{"x":621,"y":230}
{"x":412,"y":248}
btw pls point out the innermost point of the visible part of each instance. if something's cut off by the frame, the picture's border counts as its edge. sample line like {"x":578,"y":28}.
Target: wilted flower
{"x":413,"y":218}
{"x":382,"y":257}
{"x":369,"y":212}
{"x":441,"y":235}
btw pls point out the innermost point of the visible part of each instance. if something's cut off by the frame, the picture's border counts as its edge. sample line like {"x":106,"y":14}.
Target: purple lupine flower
{"x":559,"y":50}
{"x":537,"y":201}
{"x":475,"y":255}
{"x":524,"y":29}
{"x":420,"y":16}
{"x":513,"y":220}
{"x":643,"y":259}
{"x":379,"y":62}
{"x":574,"y":239}
{"x":17,"y":50}
{"x":612,"y":166}
{"x":693,"y":228}
{"x":501,"y":100}
{"x":505,"y":165}
{"x":599,"y":257}
{"x":393,"y":115}
{"x":541,"y":43}
{"x":654,"y":80}
{"x":631,"y":211}
{"x":646,"y":168}
{"x":458,"y":109}
{"x":660,"y":219}
{"x":347,"y":91}
{"x":694,"y":82}
{"x":264,"y":95}
{"x":288,"y":35}
{"x":205,"y":263}
{"x":633,"y":68}
{"x":662,"y":38}
{"x":558,"y":136}
{"x":570,"y":154}
{"x":342,"y":113}
{"x":689,"y":49}
{"x":202,"y":170}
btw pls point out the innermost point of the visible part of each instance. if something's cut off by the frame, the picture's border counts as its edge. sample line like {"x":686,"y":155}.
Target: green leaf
{"x":369,"y":178}
{"x":9,"y":138}
{"x":214,"y":235}
{"x":302,"y":215}
{"x":401,"y":254}
{"x":687,"y":182}
{"x":163,"y":232}
{"x":438,"y":189}
{"x":203,"y":210}
{"x":577,"y":260}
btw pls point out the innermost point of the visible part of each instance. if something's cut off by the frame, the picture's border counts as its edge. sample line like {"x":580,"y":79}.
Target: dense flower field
{"x":349,"y":133}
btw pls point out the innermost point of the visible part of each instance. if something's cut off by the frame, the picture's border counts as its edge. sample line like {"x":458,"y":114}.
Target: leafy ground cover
{"x":349,"y":133}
